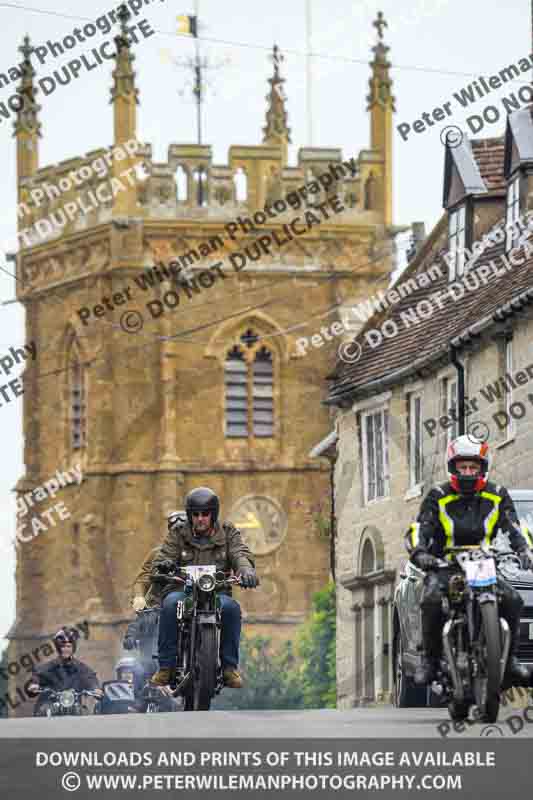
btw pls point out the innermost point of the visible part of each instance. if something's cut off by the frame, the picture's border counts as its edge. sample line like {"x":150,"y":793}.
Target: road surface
{"x":358,"y":723}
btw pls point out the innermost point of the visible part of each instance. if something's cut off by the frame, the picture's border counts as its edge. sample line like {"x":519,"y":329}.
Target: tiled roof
{"x":429,"y":339}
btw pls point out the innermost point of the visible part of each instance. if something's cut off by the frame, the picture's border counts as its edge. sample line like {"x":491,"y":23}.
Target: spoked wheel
{"x":206,"y":676}
{"x":488,"y":682}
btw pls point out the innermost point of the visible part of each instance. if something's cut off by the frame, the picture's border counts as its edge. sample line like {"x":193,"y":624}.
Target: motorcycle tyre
{"x":206,"y":675}
{"x":491,"y":627}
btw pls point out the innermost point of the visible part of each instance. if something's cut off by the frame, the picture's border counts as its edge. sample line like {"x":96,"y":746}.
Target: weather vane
{"x":198,"y":84}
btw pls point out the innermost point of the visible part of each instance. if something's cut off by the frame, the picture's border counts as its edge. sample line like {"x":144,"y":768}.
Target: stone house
{"x":466,"y":297}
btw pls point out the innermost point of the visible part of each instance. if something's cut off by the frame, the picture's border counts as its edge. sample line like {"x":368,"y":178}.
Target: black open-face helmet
{"x":202,"y":499}
{"x":66,"y":636}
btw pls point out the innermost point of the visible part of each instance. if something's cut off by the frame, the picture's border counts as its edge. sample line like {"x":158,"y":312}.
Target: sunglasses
{"x":201,"y":513}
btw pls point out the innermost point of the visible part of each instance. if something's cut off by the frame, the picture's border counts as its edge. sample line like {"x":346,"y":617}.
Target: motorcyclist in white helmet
{"x":466,"y":510}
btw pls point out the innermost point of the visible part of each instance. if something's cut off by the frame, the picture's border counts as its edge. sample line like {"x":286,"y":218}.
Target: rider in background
{"x":466,"y":510}
{"x":65,"y":671}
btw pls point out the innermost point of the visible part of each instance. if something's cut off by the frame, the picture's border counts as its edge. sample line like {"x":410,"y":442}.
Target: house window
{"x":513,"y":211}
{"x":78,"y":406}
{"x":375,"y":455}
{"x":249,"y":382}
{"x":449,"y":408}
{"x":456,"y":242}
{"x":414,"y":440}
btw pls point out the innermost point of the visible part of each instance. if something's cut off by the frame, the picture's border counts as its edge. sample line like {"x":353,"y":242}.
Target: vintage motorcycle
{"x":476,"y":639}
{"x":67,"y":702}
{"x":198,"y":667}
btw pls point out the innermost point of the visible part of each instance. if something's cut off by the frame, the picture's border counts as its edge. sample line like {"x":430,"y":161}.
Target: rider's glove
{"x":139,"y":603}
{"x":527,"y":559}
{"x":425,"y":561}
{"x":249,"y":578}
{"x":129,"y":643}
{"x":166,"y":567}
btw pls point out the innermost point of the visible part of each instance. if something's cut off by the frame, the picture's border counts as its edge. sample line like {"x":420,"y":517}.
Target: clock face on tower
{"x":262,"y":522}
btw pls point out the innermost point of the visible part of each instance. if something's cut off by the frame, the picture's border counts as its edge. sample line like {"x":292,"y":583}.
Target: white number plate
{"x":531,"y":630}
{"x":196,"y":572}
{"x":481,"y":573}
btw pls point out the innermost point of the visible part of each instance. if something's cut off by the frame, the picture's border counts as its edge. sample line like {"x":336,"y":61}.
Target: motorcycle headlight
{"x":206,"y":583}
{"x":67,"y":698}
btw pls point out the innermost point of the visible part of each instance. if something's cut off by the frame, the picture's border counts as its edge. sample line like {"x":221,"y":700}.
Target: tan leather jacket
{"x":225,"y":549}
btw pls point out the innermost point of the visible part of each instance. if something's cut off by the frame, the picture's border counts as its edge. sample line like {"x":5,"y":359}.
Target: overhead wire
{"x":265,"y":48}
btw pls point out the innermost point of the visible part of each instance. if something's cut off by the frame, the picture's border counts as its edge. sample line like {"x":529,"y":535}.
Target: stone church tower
{"x":212,"y":391}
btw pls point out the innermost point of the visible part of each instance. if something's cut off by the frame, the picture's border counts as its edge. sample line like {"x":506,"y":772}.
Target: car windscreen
{"x":524,"y":509}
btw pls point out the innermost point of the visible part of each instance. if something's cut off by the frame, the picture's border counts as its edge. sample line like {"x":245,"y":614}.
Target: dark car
{"x":407,"y":626}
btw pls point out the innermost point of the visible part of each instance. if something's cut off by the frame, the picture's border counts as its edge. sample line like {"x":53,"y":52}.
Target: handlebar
{"x":231,"y":580}
{"x":79,"y":693}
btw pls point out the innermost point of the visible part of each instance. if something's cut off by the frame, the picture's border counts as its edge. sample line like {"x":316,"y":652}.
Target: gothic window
{"x":200,"y":186}
{"x":75,"y":552}
{"x":263,"y":400}
{"x":249,"y":387}
{"x":182,"y":188}
{"x":236,"y":394}
{"x":78,"y":401}
{"x":240,"y":180}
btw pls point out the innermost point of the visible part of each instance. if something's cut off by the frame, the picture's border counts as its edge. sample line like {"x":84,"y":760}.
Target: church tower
{"x":151,"y":384}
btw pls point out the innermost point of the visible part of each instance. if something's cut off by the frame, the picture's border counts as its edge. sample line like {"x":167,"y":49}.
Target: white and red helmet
{"x":467,"y":447}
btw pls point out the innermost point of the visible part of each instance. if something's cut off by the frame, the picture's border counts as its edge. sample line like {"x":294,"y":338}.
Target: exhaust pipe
{"x":456,"y":680}
{"x":506,"y":636}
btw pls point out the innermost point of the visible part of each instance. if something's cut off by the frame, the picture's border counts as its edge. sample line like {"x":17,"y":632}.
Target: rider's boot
{"x":164,"y":676}
{"x":232,"y":678}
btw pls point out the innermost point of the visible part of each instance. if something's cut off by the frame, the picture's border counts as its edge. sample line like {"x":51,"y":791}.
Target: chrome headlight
{"x":67,"y":698}
{"x":206,"y":583}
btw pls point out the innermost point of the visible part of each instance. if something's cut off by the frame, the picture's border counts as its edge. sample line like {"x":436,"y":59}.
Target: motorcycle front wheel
{"x":489,"y":678}
{"x":204,"y":682}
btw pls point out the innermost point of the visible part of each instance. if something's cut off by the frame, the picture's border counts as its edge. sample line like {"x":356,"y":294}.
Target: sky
{"x":437,"y":47}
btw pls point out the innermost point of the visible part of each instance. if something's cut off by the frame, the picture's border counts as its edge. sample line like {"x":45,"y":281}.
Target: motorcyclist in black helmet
{"x":65,"y":671}
{"x":200,"y":540}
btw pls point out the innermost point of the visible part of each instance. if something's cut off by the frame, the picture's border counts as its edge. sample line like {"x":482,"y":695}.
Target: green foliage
{"x":3,"y":683}
{"x":316,"y":645}
{"x":270,"y":680}
{"x":301,"y":676}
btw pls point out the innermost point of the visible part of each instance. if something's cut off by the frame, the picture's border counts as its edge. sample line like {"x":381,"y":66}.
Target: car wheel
{"x":405,"y":694}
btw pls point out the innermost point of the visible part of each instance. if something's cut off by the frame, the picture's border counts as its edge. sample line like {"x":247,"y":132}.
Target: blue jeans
{"x":229,"y":638}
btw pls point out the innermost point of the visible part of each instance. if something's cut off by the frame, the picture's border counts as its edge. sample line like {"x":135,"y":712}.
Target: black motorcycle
{"x":476,"y":639}
{"x":67,"y":702}
{"x":199,"y":674}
